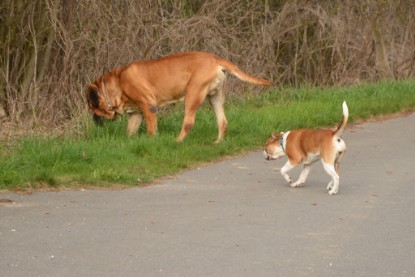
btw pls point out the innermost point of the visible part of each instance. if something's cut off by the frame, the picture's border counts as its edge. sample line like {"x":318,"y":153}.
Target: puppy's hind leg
{"x":333,"y":186}
{"x":330,"y":185}
{"x":337,"y":168}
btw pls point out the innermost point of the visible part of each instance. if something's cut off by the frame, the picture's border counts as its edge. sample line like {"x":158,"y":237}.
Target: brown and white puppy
{"x":307,"y":146}
{"x":141,"y":87}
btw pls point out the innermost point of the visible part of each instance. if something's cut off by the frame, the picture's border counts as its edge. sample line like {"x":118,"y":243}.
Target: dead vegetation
{"x":51,"y":49}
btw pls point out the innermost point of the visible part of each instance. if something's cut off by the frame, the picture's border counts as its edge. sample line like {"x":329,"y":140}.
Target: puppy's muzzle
{"x":266,"y":156}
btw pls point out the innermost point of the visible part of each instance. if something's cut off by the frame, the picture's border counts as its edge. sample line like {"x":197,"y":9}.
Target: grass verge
{"x":104,"y":157}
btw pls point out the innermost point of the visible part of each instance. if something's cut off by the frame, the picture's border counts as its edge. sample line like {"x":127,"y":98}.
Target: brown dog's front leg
{"x":134,"y":123}
{"x":149,"y":112}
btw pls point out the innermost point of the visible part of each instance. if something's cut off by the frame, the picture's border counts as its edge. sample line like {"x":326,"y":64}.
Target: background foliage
{"x":51,"y":49}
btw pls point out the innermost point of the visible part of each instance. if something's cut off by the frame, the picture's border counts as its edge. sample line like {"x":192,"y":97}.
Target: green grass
{"x":104,"y":157}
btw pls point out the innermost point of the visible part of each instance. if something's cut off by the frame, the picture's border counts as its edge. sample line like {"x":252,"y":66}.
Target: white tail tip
{"x":345,"y":109}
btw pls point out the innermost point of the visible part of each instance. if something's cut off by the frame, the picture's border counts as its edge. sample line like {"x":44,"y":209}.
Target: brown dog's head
{"x":273,"y":149}
{"x":99,"y":102}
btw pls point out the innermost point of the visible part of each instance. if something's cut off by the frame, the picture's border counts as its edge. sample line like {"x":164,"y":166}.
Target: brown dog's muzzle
{"x":98,"y":120}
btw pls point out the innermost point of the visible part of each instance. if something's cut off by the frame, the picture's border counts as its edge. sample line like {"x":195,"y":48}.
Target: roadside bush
{"x":51,"y":49}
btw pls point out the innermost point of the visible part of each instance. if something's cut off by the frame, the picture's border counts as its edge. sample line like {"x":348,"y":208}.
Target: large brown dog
{"x":140,"y":88}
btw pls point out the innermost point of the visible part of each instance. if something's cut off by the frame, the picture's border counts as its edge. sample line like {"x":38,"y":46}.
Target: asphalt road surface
{"x":234,"y":218}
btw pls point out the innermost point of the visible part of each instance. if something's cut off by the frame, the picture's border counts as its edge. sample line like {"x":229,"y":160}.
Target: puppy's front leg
{"x":287,"y":167}
{"x":303,"y":176}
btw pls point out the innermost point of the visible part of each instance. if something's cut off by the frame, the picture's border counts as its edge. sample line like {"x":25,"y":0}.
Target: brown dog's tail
{"x":234,"y":70}
{"x":342,"y":124}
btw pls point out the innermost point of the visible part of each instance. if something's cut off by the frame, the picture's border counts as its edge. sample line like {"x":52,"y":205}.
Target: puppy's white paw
{"x":288,"y":179}
{"x":297,"y":184}
{"x":330,"y":185}
{"x":333,"y":191}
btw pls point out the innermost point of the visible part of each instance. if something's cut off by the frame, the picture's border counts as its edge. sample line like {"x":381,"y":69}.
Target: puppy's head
{"x":98,"y":104}
{"x":273,"y":149}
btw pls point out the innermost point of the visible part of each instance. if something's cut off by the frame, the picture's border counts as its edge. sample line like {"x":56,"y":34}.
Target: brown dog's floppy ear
{"x":274,"y":135}
{"x":92,"y":96}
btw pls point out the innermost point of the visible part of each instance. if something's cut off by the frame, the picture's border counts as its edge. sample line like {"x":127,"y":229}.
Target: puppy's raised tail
{"x":343,"y":123}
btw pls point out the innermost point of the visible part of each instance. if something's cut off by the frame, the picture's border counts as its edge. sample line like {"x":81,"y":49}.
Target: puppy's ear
{"x":92,"y":96}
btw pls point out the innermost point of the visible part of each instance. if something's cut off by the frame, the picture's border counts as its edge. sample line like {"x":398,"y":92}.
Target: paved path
{"x":234,"y":218}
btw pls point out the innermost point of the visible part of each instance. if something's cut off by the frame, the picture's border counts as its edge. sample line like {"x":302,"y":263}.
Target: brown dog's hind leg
{"x":217,"y":101}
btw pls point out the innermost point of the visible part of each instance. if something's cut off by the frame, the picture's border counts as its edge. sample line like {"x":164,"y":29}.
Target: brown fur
{"x":140,"y":88}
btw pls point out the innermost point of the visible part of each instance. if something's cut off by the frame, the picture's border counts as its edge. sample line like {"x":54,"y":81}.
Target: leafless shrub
{"x":51,"y":49}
